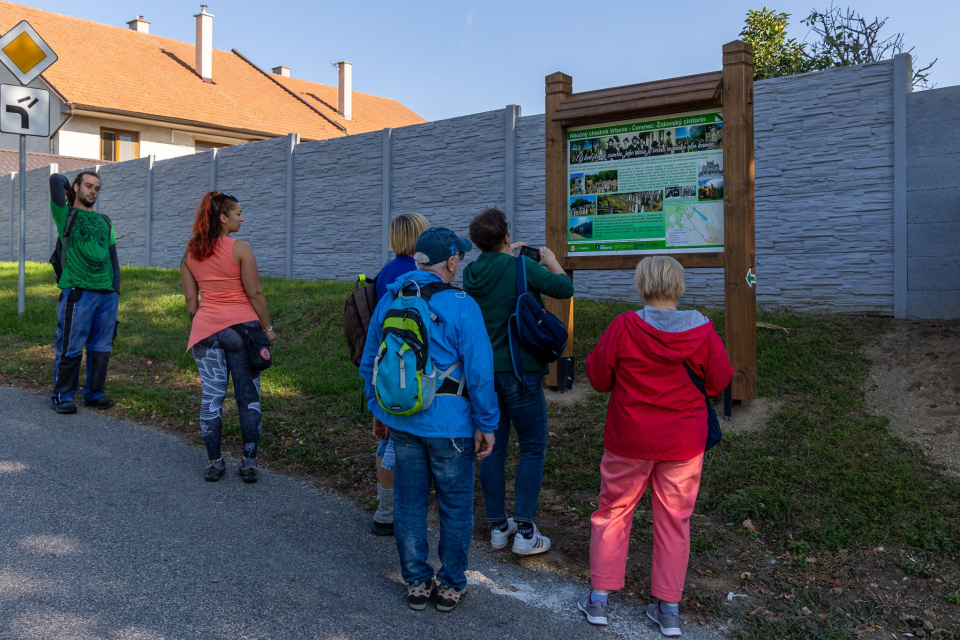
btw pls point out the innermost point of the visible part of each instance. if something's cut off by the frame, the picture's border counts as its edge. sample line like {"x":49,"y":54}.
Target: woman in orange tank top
{"x":221,"y":285}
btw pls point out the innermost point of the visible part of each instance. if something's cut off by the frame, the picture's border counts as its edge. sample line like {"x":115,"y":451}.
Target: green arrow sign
{"x":751,"y":279}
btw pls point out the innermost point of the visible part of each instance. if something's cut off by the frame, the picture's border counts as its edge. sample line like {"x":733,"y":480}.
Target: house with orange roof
{"x":157,"y":96}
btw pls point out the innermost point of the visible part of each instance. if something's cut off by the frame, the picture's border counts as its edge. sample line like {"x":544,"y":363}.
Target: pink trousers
{"x":674,"y":491}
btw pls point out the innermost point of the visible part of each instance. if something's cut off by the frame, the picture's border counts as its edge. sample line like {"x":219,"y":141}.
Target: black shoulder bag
{"x":714,"y":434}
{"x":542,"y":334}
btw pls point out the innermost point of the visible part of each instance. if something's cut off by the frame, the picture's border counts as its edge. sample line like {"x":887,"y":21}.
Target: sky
{"x":449,"y":58}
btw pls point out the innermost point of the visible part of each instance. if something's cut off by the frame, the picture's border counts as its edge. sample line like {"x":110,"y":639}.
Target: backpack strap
{"x":449,"y":386}
{"x":428,"y":290}
{"x":446,"y":385}
{"x":114,"y":259}
{"x":68,"y":224}
{"x":521,"y":267}
{"x":515,"y":358}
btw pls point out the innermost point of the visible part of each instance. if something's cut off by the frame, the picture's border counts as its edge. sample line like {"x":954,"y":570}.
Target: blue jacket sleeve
{"x":371,"y":346}
{"x":477,"y":356}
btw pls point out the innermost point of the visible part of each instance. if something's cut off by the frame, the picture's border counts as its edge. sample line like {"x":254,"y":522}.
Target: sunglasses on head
{"x":217,"y":198}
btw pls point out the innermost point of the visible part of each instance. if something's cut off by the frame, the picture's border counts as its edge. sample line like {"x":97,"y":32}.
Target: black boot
{"x":97,"y":377}
{"x":68,"y":378}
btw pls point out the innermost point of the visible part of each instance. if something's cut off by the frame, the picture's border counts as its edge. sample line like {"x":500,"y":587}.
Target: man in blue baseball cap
{"x":438,"y":244}
{"x":442,"y":442}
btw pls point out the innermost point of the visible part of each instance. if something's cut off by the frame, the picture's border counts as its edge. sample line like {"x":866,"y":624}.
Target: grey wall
{"x":825,"y":167}
{"x":933,"y":209}
{"x":338,"y":186}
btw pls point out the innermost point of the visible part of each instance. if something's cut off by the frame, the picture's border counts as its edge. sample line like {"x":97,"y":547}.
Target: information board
{"x":646,"y":186}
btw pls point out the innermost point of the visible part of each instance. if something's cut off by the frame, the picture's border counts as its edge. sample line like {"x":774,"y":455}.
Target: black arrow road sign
{"x":24,"y":110}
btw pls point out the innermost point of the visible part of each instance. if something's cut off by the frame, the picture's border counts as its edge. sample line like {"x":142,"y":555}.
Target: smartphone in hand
{"x":530,"y":252}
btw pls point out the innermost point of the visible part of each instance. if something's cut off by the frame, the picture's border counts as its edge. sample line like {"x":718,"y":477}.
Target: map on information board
{"x":653,"y":186}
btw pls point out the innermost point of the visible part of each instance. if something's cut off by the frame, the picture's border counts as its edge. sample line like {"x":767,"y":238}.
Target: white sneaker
{"x":533,"y":545}
{"x":499,"y":539}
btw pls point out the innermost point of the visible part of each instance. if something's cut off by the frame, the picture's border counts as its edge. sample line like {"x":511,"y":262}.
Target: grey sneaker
{"x":596,"y":612}
{"x":248,"y":470}
{"x":448,"y":598}
{"x":215,"y":469}
{"x":418,"y":593}
{"x":669,"y":622}
{"x":498,"y":538}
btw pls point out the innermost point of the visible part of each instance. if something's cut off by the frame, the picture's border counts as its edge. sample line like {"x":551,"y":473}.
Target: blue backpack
{"x":532,"y":327}
{"x":404,"y":378}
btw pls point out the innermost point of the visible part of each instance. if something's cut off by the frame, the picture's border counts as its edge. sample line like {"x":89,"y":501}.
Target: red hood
{"x":666,"y":346}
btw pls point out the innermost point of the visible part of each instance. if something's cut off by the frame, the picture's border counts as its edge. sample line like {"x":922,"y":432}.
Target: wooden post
{"x":558,"y":86}
{"x":738,"y":202}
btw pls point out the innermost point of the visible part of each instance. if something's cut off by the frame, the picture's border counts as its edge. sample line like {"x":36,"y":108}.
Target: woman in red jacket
{"x":655,"y":434}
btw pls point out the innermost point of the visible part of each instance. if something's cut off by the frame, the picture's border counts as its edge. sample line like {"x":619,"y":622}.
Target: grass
{"x":824,"y":476}
{"x":824,"y":468}
{"x":310,"y":397}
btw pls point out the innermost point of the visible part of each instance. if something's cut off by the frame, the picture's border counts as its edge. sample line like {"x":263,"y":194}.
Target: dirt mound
{"x":915,"y":382}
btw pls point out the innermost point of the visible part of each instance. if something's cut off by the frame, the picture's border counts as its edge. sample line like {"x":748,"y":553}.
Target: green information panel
{"x":654,"y":186}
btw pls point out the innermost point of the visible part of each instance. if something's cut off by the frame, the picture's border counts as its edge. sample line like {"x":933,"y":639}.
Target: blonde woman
{"x":404,"y":231}
{"x":655,"y":434}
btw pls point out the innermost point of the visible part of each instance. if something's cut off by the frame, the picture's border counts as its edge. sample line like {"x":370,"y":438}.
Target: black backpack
{"x":542,"y":334}
{"x":56,"y":258}
{"x":357,"y":312}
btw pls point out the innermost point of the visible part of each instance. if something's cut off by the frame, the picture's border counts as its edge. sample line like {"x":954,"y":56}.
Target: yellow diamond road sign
{"x":24,"y":52}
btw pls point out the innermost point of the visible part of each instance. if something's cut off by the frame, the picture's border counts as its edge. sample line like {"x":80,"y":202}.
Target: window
{"x":117,"y":146}
{"x":203,"y":145}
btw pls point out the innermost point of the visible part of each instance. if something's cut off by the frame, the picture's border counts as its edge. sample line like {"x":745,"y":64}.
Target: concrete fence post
{"x":293,"y":139}
{"x":213,"y":169}
{"x":13,"y":207}
{"x":902,"y":76}
{"x":511,"y":113}
{"x":51,"y":228}
{"x":386,"y":195}
{"x":149,"y":222}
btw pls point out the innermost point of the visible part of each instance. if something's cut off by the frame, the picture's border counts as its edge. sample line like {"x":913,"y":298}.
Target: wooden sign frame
{"x":730,"y":90}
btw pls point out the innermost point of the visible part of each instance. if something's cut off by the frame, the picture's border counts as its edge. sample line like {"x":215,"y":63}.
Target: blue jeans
{"x":451,"y":464}
{"x":387,"y":455}
{"x":527,"y":408}
{"x":219,"y":356}
{"x":84,"y":319}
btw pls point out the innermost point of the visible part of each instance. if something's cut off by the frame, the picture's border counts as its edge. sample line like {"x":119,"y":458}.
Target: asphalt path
{"x":107,"y":530}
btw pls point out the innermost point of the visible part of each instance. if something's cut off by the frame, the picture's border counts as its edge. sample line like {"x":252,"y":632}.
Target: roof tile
{"x":118,"y":69}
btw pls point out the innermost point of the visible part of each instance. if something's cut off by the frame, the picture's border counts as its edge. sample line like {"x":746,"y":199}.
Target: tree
{"x":845,"y":38}
{"x":842,"y":37}
{"x":774,"y":55}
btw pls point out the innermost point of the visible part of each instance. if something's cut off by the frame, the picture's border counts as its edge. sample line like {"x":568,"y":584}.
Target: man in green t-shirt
{"x":90,"y":292}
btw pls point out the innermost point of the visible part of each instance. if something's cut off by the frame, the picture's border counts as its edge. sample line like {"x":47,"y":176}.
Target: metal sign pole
{"x":21,"y":276}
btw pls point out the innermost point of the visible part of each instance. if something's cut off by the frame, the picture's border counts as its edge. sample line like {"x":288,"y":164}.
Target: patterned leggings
{"x":218,"y":356}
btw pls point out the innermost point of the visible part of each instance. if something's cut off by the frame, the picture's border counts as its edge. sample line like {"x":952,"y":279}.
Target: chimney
{"x":282,"y":71}
{"x":204,"y":44}
{"x":345,"y":95}
{"x":139,"y":24}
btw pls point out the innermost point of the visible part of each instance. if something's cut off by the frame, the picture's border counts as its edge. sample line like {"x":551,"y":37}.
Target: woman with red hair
{"x":221,"y":285}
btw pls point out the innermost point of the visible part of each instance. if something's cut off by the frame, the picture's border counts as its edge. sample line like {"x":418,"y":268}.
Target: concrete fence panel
{"x":828,"y":155}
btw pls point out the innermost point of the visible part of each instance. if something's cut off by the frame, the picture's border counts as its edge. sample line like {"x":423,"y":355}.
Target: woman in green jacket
{"x":491,"y":281}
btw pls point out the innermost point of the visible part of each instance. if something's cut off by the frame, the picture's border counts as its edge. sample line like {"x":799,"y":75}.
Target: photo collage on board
{"x":646,"y":186}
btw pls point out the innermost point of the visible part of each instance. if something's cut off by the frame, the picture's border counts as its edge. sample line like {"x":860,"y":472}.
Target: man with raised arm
{"x":90,"y":291}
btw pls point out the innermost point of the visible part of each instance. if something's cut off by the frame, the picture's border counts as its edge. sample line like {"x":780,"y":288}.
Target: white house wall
{"x":80,"y":138}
